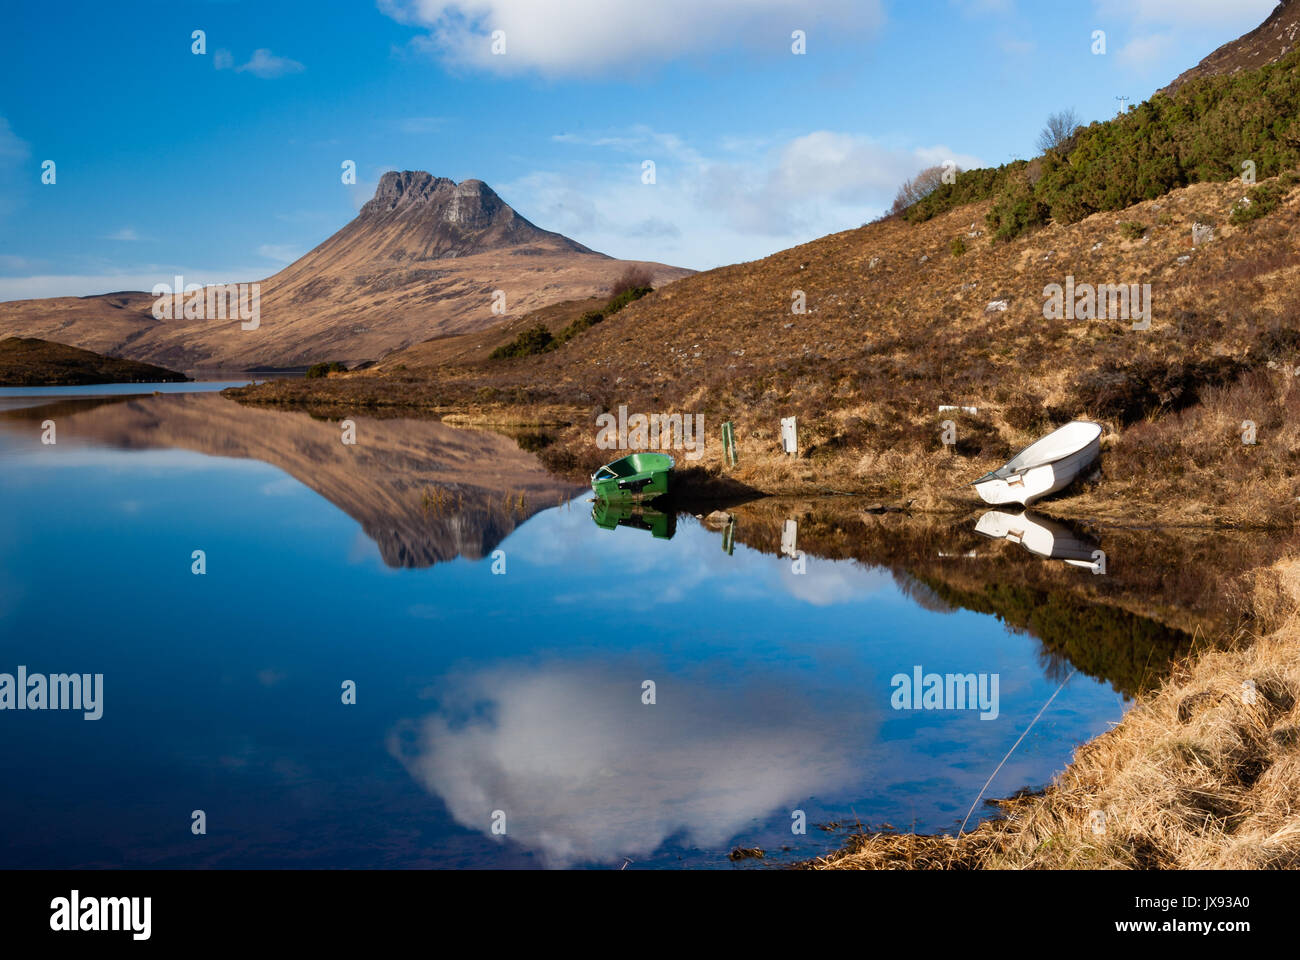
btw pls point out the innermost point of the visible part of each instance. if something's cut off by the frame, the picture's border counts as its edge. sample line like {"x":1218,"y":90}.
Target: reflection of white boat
{"x":1047,"y":538}
{"x":1044,"y":467}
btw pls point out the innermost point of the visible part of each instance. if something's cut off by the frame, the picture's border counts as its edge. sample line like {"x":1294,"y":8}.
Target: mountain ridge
{"x":425,"y":257}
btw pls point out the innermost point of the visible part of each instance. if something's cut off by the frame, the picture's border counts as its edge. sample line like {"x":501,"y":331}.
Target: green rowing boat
{"x":636,"y":476}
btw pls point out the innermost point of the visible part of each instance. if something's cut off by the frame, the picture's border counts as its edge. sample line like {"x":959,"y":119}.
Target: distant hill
{"x":424,"y":258}
{"x":29,"y":362}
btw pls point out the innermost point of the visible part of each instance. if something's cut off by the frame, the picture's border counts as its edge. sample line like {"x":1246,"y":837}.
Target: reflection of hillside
{"x":1161,"y":587}
{"x":424,"y":492}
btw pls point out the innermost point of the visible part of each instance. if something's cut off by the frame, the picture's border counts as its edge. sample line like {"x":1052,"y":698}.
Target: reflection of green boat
{"x":638,"y":475}
{"x":609,"y":516}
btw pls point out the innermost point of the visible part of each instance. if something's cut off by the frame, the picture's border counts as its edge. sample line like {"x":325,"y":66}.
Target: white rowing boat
{"x":1044,"y":467}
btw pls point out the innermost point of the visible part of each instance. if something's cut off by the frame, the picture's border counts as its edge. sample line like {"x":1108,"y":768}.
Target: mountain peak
{"x":409,"y":188}
{"x":1270,"y":41}
{"x":442,"y":218}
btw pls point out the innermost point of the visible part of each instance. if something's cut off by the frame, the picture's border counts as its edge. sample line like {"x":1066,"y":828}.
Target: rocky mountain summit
{"x":1269,"y":42}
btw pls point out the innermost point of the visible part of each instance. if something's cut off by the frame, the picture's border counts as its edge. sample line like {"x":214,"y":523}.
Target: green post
{"x":729,"y":444}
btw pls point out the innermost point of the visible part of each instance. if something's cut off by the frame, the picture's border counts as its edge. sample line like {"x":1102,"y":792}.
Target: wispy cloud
{"x":34,"y":286}
{"x":14,"y":263}
{"x":984,"y":8}
{"x":1187,"y":12}
{"x":126,"y":233}
{"x":422,"y":124}
{"x":1145,"y":52}
{"x":585,"y":36}
{"x":12,"y":147}
{"x":14,"y":152}
{"x":280,"y":252}
{"x":716,"y":205}
{"x":262,"y":64}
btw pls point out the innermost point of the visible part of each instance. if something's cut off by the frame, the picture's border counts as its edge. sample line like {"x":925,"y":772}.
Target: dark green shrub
{"x":1202,"y":132}
{"x":623,"y":299}
{"x":1262,"y":201}
{"x":1017,"y":211}
{"x":532,"y":341}
{"x":1132,"y":230}
{"x":325,"y":369}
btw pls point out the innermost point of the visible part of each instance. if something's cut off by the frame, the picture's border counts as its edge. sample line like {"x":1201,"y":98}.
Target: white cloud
{"x":1187,"y":12}
{"x":723,"y":205}
{"x":582,"y":36}
{"x":1145,"y":52}
{"x":126,"y":233}
{"x":263,"y":64}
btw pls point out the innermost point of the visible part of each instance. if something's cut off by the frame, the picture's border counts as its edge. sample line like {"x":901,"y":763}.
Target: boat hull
{"x":1041,"y":481}
{"x":635,"y":477}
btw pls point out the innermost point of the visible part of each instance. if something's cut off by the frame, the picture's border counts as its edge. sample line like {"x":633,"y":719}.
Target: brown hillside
{"x":422,"y":259}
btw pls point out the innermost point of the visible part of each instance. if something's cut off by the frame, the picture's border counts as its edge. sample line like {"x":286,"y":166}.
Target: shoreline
{"x":1192,"y":777}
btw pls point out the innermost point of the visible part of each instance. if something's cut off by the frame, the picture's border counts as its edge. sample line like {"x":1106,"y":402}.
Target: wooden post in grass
{"x":729,"y":444}
{"x":789,"y":436}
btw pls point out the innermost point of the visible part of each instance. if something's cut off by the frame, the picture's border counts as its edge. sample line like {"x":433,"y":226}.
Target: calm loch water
{"x":484,"y":701}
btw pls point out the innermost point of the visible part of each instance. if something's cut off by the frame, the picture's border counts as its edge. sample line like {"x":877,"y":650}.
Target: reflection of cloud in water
{"x":586,"y":773}
{"x":563,"y":537}
{"x":828,"y":582}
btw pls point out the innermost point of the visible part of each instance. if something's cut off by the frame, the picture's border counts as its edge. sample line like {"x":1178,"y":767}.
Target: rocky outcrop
{"x":1270,"y":41}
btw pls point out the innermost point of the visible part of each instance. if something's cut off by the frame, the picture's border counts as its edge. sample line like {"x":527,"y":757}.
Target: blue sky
{"x":226,"y":165}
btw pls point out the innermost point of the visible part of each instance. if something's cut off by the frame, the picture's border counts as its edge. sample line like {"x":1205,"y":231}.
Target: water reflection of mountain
{"x":423,"y":491}
{"x":1161,"y":588}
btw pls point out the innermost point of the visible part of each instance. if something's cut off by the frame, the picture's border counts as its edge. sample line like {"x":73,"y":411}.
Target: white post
{"x":789,"y":436}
